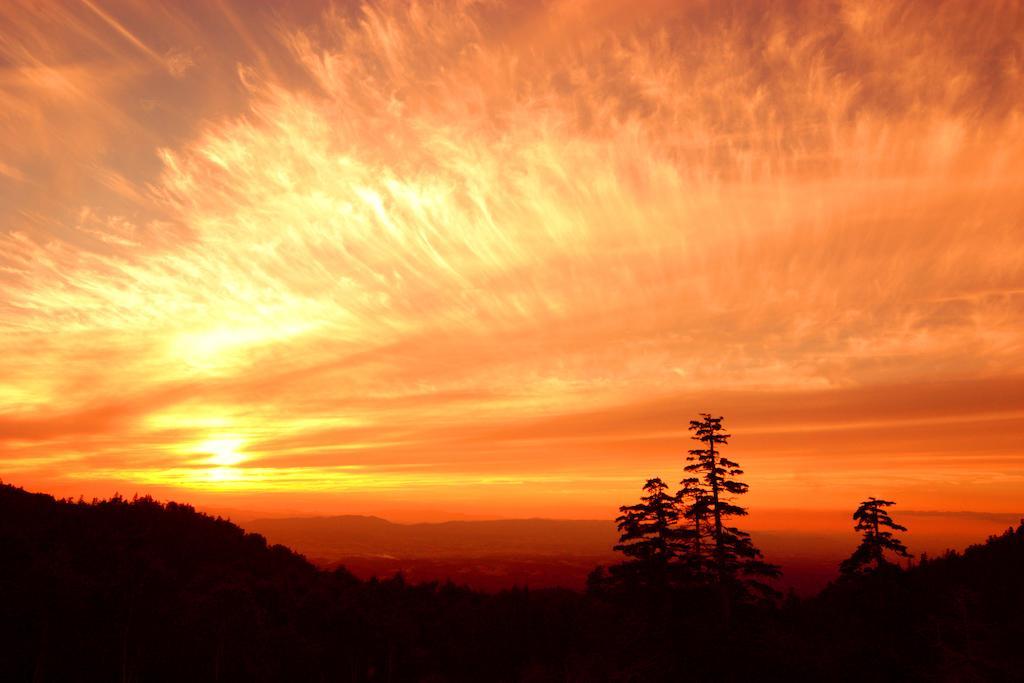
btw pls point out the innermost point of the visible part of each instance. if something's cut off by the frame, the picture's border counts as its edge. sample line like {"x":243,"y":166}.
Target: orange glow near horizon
{"x":488,"y":258}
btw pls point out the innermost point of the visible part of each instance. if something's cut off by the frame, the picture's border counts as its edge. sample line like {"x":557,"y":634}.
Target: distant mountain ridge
{"x":355,"y":535}
{"x":535,"y":551}
{"x":488,"y":555}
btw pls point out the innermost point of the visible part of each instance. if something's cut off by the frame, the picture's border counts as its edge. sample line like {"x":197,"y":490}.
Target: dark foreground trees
{"x":736,"y":563}
{"x":137,"y":590}
{"x":877,"y":526}
{"x":649,"y":539}
{"x":688,"y":541}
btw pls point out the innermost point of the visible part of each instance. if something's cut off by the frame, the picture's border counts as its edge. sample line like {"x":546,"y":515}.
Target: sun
{"x":223,"y":451}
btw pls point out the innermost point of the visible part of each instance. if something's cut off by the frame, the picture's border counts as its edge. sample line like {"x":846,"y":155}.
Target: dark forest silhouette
{"x":137,"y":590}
{"x":685,"y":541}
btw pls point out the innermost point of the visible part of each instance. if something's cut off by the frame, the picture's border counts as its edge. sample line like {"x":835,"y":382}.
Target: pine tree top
{"x":708,"y":429}
{"x":871,"y":513}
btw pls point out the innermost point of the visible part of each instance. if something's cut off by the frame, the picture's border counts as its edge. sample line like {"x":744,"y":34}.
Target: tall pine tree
{"x":874,"y":520}
{"x":735,"y":562}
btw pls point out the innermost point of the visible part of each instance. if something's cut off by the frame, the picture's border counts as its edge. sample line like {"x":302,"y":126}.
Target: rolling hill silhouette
{"x":137,"y":590}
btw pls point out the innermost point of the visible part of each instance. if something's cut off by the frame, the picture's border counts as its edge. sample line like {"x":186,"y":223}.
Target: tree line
{"x":688,"y":539}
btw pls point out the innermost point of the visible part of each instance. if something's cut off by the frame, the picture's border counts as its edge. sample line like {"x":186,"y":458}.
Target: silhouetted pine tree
{"x":873,"y":519}
{"x":648,"y":537}
{"x":736,"y":562}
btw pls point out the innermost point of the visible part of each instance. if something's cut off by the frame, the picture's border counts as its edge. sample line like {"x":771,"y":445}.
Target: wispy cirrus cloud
{"x":395,"y":235}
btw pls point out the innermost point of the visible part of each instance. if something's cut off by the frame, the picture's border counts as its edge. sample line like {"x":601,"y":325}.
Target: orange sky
{"x":488,"y":258}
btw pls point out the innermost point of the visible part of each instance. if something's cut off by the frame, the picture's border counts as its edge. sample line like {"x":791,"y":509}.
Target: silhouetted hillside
{"x":137,"y":590}
{"x":959,"y":617}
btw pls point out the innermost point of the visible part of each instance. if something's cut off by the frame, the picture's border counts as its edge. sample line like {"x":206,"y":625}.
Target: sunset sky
{"x":487,"y":259}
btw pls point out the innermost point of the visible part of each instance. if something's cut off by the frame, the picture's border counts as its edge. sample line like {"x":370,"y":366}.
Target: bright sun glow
{"x":223,"y":451}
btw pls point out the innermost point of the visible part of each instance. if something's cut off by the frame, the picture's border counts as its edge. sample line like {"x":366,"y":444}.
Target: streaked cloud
{"x":501,"y":252}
